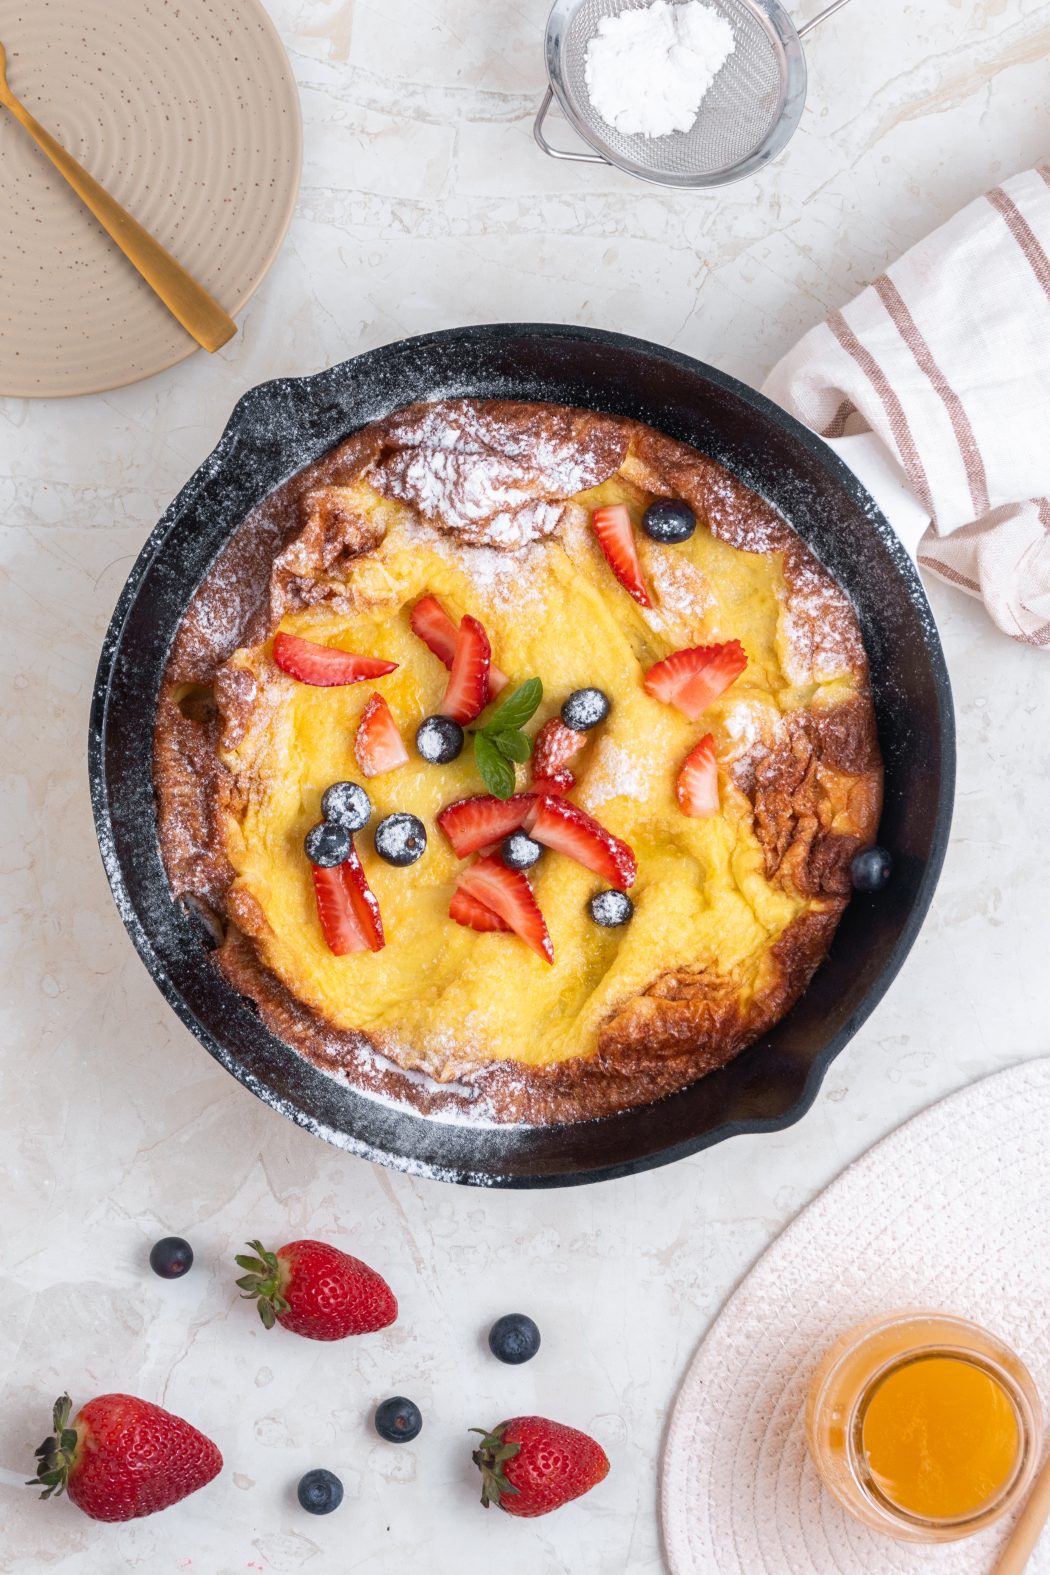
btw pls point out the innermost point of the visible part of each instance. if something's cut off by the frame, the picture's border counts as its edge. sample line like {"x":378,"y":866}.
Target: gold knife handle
{"x":198,"y":312}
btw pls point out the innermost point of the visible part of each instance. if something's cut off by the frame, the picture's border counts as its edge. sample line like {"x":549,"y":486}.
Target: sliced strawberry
{"x":363,"y":901}
{"x":559,"y":783}
{"x":554,"y":746}
{"x":481,"y":822}
{"x":339,"y":922}
{"x":698,"y":781}
{"x":468,"y":679}
{"x":324,"y":665}
{"x":615,"y":533}
{"x":508,"y":894}
{"x":435,"y":628}
{"x":472,"y":914}
{"x":378,"y":745}
{"x":692,"y":678}
{"x":568,"y":829}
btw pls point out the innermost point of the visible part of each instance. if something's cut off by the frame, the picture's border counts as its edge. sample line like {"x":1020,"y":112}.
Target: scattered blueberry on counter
{"x":519,"y":852}
{"x":398,"y":1420}
{"x":346,"y":804}
{"x":401,"y":839}
{"x":610,"y":908}
{"x":327,"y":844}
{"x":669,"y":520}
{"x":171,"y":1257}
{"x":871,"y":869}
{"x":319,"y":1492}
{"x":514,"y":1338}
{"x":439,"y":740}
{"x":584,"y":709}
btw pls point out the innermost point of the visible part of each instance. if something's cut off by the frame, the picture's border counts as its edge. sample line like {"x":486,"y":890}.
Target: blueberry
{"x":514,"y":1338}
{"x":171,"y":1257}
{"x":439,"y":740}
{"x":871,"y":869}
{"x":669,"y":520}
{"x":401,"y":839}
{"x":519,"y":852}
{"x":346,"y":804}
{"x":584,"y":709}
{"x":610,"y":908}
{"x":320,"y":1491}
{"x":327,"y":844}
{"x":398,"y":1420}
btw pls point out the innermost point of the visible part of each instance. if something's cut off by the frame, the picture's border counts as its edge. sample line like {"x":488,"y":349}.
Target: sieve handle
{"x":562,"y":153}
{"x":821,"y":16}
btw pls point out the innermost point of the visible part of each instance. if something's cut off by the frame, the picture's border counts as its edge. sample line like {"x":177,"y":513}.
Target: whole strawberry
{"x":530,"y":1466}
{"x":316,"y":1290}
{"x":121,"y":1457}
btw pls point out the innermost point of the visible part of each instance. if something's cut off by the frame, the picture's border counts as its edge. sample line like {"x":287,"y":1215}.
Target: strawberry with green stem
{"x":121,"y":1457}
{"x":530,"y":1465}
{"x":315,"y":1290}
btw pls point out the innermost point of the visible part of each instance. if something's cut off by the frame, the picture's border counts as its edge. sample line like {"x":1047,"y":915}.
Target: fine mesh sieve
{"x":746,"y":117}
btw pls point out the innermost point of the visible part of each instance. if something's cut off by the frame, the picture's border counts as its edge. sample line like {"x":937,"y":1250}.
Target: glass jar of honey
{"x":924,"y":1426}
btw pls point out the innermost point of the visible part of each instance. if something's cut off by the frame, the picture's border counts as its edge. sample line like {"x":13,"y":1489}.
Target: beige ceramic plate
{"x":186,"y":110}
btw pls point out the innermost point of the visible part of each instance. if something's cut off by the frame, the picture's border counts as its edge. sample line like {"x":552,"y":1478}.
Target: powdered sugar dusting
{"x":821,"y":638}
{"x":403,"y":1084}
{"x":747,"y":724}
{"x":617,"y":772}
{"x":749,"y":729}
{"x":683,"y":594}
{"x":501,"y":578}
{"x":648,"y":68}
{"x":454,"y":1103}
{"x":473,"y":471}
{"x":460,"y":490}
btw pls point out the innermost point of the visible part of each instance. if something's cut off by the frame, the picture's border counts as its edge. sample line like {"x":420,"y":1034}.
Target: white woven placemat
{"x":952,"y":1211}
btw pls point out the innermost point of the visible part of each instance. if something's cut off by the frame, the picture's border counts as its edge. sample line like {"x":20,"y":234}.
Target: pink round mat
{"x":952,"y":1212}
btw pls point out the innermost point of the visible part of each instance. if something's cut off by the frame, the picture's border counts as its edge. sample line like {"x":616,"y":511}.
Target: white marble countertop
{"x":425,"y":204}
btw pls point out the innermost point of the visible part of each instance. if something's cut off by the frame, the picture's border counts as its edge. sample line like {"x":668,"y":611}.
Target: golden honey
{"x":924,"y":1426}
{"x":940,"y":1437}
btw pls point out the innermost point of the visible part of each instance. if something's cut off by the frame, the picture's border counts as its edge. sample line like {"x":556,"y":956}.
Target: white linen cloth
{"x":934,"y":384}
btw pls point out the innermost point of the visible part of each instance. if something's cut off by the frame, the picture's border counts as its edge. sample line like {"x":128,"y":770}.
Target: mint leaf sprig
{"x":500,"y":744}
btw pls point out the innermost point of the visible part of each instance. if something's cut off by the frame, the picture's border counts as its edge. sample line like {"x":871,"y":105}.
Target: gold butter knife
{"x":198,"y":312}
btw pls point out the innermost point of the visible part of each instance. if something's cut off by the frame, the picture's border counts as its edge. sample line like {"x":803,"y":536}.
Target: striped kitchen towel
{"x":945,"y":360}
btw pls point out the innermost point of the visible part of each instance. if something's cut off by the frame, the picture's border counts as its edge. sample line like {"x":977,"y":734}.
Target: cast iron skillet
{"x":280,"y":426}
